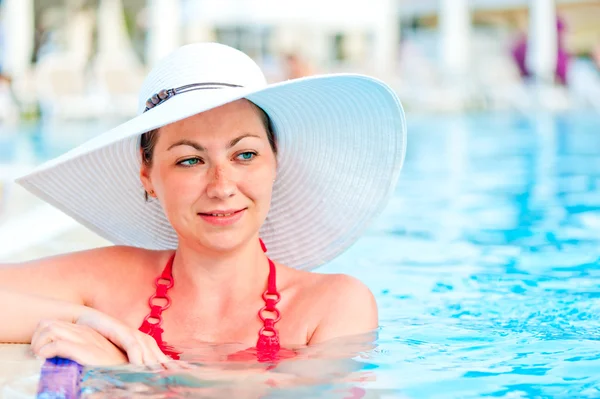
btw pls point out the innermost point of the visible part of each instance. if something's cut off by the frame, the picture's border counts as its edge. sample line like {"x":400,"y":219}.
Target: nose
{"x":220,"y":185}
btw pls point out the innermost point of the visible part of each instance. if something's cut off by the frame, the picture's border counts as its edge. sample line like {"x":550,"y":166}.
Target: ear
{"x":145,"y":177}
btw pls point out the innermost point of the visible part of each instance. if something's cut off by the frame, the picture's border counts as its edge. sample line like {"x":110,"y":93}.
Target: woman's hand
{"x":141,"y":349}
{"x":76,"y":342}
{"x":96,"y":339}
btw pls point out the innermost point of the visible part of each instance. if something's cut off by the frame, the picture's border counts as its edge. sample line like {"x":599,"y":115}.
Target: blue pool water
{"x":484,"y":265}
{"x":486,"y":262}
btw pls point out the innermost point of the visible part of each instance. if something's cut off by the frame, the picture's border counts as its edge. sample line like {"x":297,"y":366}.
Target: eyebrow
{"x":199,"y":147}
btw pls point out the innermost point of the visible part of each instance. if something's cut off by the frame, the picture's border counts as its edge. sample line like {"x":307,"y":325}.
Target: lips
{"x":222,"y":217}
{"x":222,"y":212}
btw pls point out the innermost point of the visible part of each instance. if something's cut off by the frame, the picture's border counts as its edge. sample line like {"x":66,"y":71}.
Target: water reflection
{"x":333,"y":369}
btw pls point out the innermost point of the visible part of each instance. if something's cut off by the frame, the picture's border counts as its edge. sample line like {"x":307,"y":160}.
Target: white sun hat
{"x":341,"y":142}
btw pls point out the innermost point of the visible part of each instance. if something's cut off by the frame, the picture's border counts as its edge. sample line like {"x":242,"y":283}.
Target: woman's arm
{"x":58,"y":328}
{"x":71,"y":277}
{"x":43,"y":303}
{"x":53,"y":288}
{"x":22,"y":313}
{"x":46,"y":289}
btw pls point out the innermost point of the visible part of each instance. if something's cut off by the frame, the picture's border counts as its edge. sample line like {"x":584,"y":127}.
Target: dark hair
{"x":149,"y":139}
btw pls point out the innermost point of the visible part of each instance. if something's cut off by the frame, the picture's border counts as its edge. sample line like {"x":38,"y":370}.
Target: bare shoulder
{"x":117,"y":259}
{"x":102,"y":260}
{"x":346,"y":306}
{"x":343,"y":286}
{"x":349,"y":297}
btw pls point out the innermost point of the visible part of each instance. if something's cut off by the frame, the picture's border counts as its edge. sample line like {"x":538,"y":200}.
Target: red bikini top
{"x":267,"y":344}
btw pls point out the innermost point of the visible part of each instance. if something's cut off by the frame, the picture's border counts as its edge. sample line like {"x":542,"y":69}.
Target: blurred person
{"x":4,"y":79}
{"x":221,"y":196}
{"x":595,"y":56}
{"x":519,"y":53}
{"x":297,"y":67}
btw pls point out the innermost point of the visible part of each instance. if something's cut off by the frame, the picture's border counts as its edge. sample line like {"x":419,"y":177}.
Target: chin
{"x":222,"y":242}
{"x":220,"y":239}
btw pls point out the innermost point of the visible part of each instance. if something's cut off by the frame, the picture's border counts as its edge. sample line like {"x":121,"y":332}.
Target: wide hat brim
{"x":341,"y":143}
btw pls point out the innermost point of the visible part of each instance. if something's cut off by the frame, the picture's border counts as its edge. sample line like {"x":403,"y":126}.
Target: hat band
{"x":165,"y":94}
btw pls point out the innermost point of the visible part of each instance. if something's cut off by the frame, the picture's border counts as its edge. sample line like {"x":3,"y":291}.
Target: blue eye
{"x":189,"y":162}
{"x":246,"y":156}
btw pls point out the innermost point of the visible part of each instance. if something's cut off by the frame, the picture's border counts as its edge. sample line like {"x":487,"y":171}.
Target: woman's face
{"x":213,"y":174}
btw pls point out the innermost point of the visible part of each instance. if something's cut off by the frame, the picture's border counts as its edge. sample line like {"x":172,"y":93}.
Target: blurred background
{"x":69,"y":69}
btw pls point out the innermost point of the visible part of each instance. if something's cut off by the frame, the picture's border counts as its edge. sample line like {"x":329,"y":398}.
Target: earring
{"x":151,"y":193}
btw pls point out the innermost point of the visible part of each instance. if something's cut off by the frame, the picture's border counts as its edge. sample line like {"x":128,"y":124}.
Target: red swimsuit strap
{"x":153,"y":321}
{"x":267,"y":345}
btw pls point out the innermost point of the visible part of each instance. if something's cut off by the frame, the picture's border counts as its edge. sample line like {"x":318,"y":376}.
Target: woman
{"x":220,"y":196}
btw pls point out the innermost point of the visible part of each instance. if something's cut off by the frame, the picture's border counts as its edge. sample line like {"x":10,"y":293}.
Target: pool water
{"x":484,"y":265}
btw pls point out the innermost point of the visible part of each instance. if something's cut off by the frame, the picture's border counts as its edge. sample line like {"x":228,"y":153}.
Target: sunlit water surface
{"x":484,"y":265}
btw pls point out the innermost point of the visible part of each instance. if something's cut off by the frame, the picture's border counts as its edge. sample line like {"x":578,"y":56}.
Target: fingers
{"x":153,"y":356}
{"x":179,"y":365}
{"x":140,"y":348}
{"x":64,"y":349}
{"x":51,"y":330}
{"x":134,"y":349}
{"x":116,"y":332}
{"x":78,"y":343}
{"x":38,"y":339}
{"x":112,"y":329}
{"x":154,"y":352}
{"x":80,"y":353}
